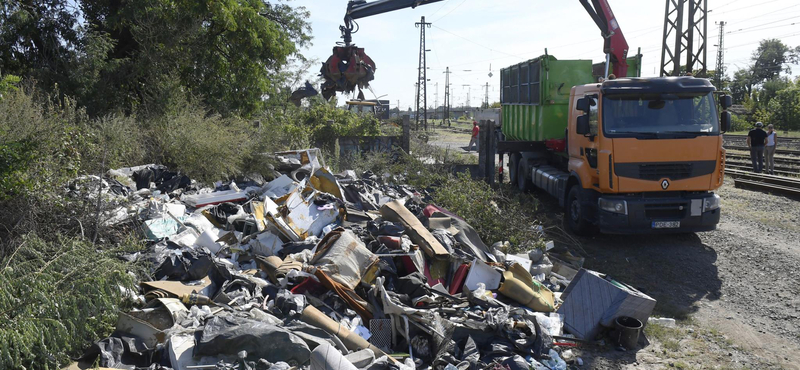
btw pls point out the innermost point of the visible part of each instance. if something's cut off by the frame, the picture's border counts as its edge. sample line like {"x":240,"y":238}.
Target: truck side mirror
{"x":583,"y":104}
{"x":726,"y":101}
{"x":725,"y":121}
{"x":582,"y":127}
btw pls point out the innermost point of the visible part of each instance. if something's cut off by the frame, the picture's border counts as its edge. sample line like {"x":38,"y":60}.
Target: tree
{"x":229,"y":52}
{"x":769,"y":89}
{"x":38,"y":39}
{"x":785,"y":108}
{"x":769,"y":60}
{"x":137,"y":56}
{"x":741,"y":86}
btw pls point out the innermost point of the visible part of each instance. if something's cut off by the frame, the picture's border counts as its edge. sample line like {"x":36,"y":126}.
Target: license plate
{"x":666,"y":224}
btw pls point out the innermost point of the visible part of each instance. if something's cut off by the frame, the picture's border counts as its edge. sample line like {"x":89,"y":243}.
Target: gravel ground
{"x":735,"y":291}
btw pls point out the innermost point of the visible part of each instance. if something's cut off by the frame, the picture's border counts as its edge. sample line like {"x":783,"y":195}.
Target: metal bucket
{"x":628,"y":329}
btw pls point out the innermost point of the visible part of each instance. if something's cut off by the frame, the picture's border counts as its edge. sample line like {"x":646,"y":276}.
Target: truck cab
{"x":644,"y":155}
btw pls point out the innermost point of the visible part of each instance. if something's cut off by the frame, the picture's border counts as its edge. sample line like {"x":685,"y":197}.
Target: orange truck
{"x":626,"y":155}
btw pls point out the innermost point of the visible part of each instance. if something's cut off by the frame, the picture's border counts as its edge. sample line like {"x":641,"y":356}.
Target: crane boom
{"x":614,"y":45}
{"x":361,"y":8}
{"x":357,"y":9}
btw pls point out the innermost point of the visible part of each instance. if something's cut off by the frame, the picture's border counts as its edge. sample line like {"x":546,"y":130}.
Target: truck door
{"x":583,"y":146}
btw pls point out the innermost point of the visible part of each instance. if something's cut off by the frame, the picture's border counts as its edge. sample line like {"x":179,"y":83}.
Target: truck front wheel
{"x":575,"y":214}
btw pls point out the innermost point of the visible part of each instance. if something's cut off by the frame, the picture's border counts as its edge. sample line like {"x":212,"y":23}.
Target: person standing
{"x":474,"y":138}
{"x":756,"y":139}
{"x":769,"y":148}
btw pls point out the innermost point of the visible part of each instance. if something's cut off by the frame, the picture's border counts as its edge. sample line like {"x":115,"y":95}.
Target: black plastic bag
{"x":229,"y":335}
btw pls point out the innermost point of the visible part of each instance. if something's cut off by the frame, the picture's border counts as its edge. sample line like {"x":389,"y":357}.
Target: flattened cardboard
{"x":175,"y":288}
{"x":396,"y":212}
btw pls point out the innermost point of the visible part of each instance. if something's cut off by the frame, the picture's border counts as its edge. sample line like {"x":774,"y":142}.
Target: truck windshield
{"x":659,"y":115}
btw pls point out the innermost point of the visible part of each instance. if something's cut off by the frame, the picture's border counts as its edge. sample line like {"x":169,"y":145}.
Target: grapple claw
{"x":347,"y":69}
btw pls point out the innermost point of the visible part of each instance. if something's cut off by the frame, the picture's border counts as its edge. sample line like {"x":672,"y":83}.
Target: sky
{"x":476,"y":37}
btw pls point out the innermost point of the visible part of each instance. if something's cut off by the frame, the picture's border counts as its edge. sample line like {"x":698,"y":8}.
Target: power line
{"x":481,"y":45}
{"x":765,"y":14}
{"x":751,"y":43}
{"x":451,"y":10}
{"x":745,"y":7}
{"x":766,"y":28}
{"x":724,"y":5}
{"x":763,"y":24}
{"x":437,"y":10}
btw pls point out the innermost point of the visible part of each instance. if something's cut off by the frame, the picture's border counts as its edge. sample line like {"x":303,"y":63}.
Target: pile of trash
{"x":316,"y":270}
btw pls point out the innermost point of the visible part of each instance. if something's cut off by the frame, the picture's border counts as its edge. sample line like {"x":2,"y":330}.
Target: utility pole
{"x":422,"y":96}
{"x":679,"y":37}
{"x":416,"y":106}
{"x":436,"y":101}
{"x":719,"y":71}
{"x":446,"y":115}
{"x":468,"y":91}
{"x":486,"y":98}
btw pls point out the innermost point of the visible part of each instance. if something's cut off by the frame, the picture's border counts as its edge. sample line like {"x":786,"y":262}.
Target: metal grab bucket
{"x":628,"y":329}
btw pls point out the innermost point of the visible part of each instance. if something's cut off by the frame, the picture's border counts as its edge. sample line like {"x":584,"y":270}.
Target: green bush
{"x":57,"y":298}
{"x":204,"y":147}
{"x":496,"y":214}
{"x":8,"y":83}
{"x":738,"y":123}
{"x":42,"y":142}
{"x":326,"y":123}
{"x":45,"y":142}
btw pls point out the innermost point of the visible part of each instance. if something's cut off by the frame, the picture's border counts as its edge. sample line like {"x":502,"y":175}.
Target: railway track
{"x":777,"y":151}
{"x":788,"y":140}
{"x":778,"y":160}
{"x":789,"y":187}
{"x":748,"y":168}
{"x":746,"y":164}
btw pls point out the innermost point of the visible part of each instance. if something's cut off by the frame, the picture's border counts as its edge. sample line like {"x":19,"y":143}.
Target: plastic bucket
{"x":628,"y":329}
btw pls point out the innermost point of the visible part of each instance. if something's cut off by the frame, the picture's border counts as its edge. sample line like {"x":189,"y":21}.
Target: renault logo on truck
{"x":664,"y":184}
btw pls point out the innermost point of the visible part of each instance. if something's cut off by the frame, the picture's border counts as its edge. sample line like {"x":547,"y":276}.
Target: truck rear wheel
{"x":513,"y":162}
{"x":575,"y":214}
{"x":524,"y":181}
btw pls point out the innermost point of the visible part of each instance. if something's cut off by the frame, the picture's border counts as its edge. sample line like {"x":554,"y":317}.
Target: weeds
{"x":58,"y":297}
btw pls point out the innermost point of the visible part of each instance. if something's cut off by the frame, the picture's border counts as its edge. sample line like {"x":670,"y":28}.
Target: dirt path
{"x":452,"y":138}
{"x":739,"y":285}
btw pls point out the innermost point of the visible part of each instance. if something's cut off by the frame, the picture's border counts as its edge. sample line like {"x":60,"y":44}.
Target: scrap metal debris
{"x":315,"y":270}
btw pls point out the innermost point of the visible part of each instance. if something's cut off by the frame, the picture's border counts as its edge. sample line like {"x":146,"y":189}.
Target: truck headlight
{"x":613,"y":205}
{"x":711,"y":203}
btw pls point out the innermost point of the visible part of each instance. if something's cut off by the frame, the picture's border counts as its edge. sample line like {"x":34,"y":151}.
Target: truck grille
{"x":665,"y":211}
{"x":658,"y":171}
{"x":655,"y":171}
